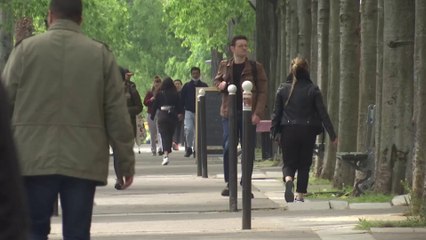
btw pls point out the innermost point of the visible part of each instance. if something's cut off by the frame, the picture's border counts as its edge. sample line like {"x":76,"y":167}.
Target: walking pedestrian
{"x":299,"y":115}
{"x":188,"y":102}
{"x":167,"y":104}
{"x":234,"y":71}
{"x":67,"y":104}
{"x":155,"y":137}
{"x":178,"y":136}
{"x":134,"y":107}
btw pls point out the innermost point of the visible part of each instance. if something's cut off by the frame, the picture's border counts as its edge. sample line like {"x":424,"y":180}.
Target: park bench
{"x":363,"y":161}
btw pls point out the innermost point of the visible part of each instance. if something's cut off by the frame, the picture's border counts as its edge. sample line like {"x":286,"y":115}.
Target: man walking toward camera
{"x":188,"y":100}
{"x":235,"y":71}
{"x":64,"y":115}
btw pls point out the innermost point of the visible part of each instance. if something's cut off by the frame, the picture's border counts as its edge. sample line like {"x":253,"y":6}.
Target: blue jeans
{"x":76,"y":197}
{"x":225,"y":127}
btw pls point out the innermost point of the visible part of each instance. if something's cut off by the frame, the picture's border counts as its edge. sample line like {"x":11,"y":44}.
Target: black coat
{"x":305,"y":107}
{"x":13,"y":208}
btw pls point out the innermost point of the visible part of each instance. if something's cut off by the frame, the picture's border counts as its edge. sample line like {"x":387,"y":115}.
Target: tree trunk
{"x":379,"y":86}
{"x":282,"y":36}
{"x":6,"y":36}
{"x":216,"y":59}
{"x":314,"y":41}
{"x":292,"y":31}
{"x":397,"y":98}
{"x":349,"y":73}
{"x":420,"y":107}
{"x":304,"y":23}
{"x":332,"y":96}
{"x":367,"y":74}
{"x":322,"y":71}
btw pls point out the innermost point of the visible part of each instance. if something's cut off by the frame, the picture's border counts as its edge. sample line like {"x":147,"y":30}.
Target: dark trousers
{"x":297,"y":143}
{"x":225,"y":126}
{"x":166,"y":126}
{"x":76,"y":197}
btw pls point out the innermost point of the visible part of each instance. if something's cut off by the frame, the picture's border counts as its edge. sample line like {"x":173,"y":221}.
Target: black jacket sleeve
{"x":277,"y":112}
{"x":322,"y":111}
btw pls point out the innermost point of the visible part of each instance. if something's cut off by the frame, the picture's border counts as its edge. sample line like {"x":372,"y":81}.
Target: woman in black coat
{"x":299,"y":115}
{"x":167,"y":103}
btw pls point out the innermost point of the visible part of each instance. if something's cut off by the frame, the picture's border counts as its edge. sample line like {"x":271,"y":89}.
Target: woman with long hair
{"x":152,"y":124}
{"x":167,"y":104}
{"x":299,"y":115}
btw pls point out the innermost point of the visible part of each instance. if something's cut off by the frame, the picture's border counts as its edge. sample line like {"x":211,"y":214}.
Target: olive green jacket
{"x":68,"y":105}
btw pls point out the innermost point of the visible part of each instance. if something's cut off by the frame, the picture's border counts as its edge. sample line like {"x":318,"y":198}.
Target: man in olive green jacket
{"x":68,"y":105}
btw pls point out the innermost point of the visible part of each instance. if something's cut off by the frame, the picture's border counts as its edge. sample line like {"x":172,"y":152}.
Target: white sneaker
{"x":165,"y":161}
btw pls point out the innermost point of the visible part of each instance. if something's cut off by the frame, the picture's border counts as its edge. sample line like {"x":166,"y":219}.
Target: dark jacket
{"x":305,"y":107}
{"x":134,"y":102}
{"x":188,"y":94}
{"x":13,"y":210}
{"x":167,"y":98}
{"x":148,"y":102}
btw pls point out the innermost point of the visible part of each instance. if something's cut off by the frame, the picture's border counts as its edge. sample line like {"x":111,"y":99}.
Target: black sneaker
{"x":160,"y":153}
{"x":188,"y":152}
{"x":225,"y":192}
{"x":288,"y":194}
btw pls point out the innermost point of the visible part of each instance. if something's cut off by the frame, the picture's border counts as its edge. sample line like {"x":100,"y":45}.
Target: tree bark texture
{"x":420,"y":109}
{"x":314,"y":41}
{"x":282,"y":37}
{"x":397,"y":95}
{"x":332,"y":96}
{"x":323,"y":53}
{"x":349,"y":84}
{"x":367,"y":85}
{"x":304,"y":33}
{"x":379,"y":85}
{"x":293,"y":30}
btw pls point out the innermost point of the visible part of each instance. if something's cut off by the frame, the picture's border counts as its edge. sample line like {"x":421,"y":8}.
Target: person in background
{"x":178,"y":136}
{"x":64,"y":115}
{"x":134,"y":107}
{"x":14,"y":218}
{"x":188,"y":102}
{"x":167,"y":104}
{"x":152,"y":124}
{"x":298,"y":116}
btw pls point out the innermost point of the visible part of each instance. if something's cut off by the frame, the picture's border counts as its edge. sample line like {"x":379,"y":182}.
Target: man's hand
{"x":255,"y":119}
{"x":128,"y":180}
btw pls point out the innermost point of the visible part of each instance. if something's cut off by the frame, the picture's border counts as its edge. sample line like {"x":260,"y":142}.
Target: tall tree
{"x":420,"y":109}
{"x":304,"y":27}
{"x":379,"y":84}
{"x":6,"y":33}
{"x":314,"y":41}
{"x":397,"y":95}
{"x":349,"y":84}
{"x":292,"y":29}
{"x":333,"y":88}
{"x":367,"y":84}
{"x":282,"y":69}
{"x":323,"y":56}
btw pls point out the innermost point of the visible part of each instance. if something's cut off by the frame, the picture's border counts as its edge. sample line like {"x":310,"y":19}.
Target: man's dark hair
{"x":236,"y":38}
{"x":67,"y":9}
{"x":195,"y":68}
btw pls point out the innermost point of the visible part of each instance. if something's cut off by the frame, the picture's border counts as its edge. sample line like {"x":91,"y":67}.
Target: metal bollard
{"x":248,"y":153}
{"x":198,"y":144}
{"x":203,"y":130}
{"x":232,"y":145}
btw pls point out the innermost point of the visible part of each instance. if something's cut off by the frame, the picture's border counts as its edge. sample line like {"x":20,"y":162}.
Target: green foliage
{"x":203,"y":25}
{"x":365,"y":224}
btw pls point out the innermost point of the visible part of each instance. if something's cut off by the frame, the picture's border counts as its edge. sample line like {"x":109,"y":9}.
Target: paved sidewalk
{"x":171,"y":202}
